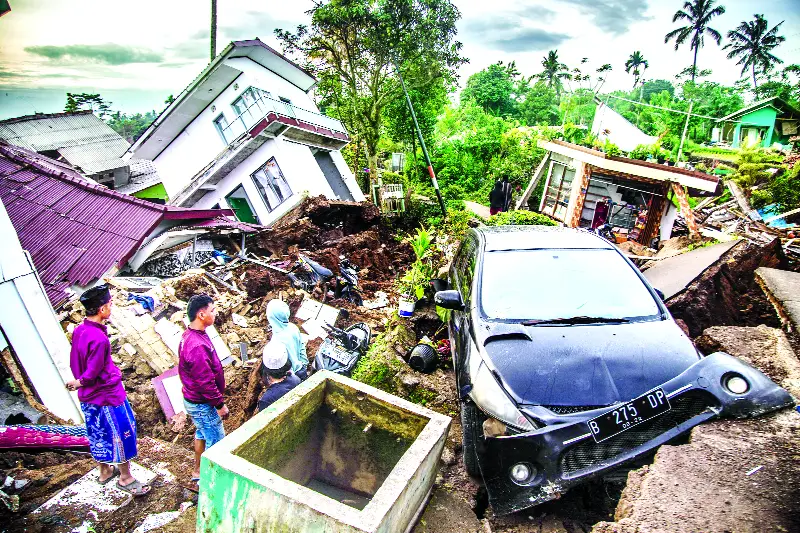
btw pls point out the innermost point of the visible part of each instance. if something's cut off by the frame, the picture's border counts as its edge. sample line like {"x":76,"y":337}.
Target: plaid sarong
{"x":111,"y":432}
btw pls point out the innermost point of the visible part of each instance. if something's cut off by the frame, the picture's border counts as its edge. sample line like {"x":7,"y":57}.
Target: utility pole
{"x":685,"y":129}
{"x":213,"y":29}
{"x":422,"y":143}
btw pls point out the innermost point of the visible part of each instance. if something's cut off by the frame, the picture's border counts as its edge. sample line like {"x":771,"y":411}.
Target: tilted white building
{"x":246,"y":135}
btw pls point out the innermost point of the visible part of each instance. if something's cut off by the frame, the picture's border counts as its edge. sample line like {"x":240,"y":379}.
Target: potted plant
{"x":413,"y":283}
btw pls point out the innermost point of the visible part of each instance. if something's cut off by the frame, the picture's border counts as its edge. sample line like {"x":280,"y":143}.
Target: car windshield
{"x":553,"y":284}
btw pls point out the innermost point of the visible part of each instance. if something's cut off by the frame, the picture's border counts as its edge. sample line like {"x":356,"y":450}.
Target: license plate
{"x":641,"y":409}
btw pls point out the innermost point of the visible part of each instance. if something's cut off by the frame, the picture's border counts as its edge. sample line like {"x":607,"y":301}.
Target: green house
{"x":762,"y":123}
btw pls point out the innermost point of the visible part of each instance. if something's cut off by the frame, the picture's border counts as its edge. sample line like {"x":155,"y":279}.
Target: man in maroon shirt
{"x":110,"y":424}
{"x":202,"y":377}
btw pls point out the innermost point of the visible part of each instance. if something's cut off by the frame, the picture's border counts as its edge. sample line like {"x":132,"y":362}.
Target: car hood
{"x":587,"y":365}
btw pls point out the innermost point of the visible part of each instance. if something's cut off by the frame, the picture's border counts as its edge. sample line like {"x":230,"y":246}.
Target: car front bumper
{"x":564,"y":453}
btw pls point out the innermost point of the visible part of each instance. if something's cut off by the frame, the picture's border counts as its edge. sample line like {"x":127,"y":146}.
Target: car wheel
{"x":470,"y":430}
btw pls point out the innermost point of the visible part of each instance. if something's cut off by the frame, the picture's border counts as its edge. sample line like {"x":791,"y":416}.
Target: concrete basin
{"x":332,"y":455}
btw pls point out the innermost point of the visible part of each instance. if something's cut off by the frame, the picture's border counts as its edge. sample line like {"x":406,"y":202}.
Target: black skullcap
{"x":96,"y":297}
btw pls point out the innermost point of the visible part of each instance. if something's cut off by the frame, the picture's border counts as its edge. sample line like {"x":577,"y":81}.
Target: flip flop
{"x":135,"y":488}
{"x":195,"y":479}
{"x":114,"y":474}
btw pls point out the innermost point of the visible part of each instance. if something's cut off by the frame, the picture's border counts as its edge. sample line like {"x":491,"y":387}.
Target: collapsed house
{"x":89,"y":145}
{"x":587,"y":188}
{"x":74,"y":232}
{"x":246,"y":135}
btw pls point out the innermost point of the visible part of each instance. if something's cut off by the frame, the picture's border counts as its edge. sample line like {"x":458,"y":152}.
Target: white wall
{"x":29,"y":324}
{"x":347,"y":175}
{"x":200,"y":142}
{"x":298,"y":165}
{"x":620,"y":132}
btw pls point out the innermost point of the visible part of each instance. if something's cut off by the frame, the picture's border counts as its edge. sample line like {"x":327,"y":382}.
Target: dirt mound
{"x":727,"y":294}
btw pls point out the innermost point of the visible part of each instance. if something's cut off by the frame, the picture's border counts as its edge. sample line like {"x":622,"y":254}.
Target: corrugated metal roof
{"x":74,"y":229}
{"x":82,"y":139}
{"x":143,"y":175}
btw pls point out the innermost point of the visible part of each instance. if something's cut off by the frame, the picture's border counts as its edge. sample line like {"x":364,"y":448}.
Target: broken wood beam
{"x":225,"y":284}
{"x":741,"y":199}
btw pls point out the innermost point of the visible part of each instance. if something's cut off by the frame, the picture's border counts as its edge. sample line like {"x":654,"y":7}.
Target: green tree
{"x":698,"y":13}
{"x":752,"y":42}
{"x":554,"y":71}
{"x":354,"y":46}
{"x":131,"y":127}
{"x":634,"y":63}
{"x":92,"y":101}
{"x":786,"y":86}
{"x":492,"y":88}
{"x":652,"y":87}
{"x":539,"y":106}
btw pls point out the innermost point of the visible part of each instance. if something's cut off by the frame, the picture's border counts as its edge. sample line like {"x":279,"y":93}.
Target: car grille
{"x":569,"y":409}
{"x":590,"y":453}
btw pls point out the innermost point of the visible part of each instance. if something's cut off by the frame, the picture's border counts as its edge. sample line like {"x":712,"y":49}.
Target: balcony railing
{"x":263,"y":105}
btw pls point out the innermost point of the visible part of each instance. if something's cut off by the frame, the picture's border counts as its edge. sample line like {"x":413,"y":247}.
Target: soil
{"x":727,"y":294}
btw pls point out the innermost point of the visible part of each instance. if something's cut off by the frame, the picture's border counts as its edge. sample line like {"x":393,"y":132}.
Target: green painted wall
{"x":155,"y":191}
{"x":763,"y":119}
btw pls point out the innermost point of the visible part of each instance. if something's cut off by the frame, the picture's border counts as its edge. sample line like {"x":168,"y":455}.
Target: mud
{"x":727,"y":294}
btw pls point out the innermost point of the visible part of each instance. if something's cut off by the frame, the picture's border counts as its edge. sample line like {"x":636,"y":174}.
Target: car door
{"x":464,"y":270}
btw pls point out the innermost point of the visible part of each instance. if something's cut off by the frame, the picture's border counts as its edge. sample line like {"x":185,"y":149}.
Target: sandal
{"x":105,"y":481}
{"x":135,"y":488}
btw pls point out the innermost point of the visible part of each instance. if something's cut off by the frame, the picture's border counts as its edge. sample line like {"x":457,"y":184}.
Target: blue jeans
{"x":207,"y":421}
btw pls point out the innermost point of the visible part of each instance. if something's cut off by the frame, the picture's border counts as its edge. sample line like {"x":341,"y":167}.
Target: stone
{"x":129,"y":349}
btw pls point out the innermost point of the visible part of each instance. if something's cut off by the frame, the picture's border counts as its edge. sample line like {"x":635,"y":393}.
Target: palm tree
{"x":754,"y":43}
{"x":699,"y":14}
{"x":554,"y":71}
{"x":213,"y":29}
{"x":633,"y":63}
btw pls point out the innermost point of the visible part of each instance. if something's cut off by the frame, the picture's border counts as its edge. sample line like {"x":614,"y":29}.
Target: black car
{"x":569,"y":365}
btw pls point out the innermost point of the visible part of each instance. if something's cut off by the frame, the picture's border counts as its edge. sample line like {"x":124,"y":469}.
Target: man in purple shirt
{"x":110,"y":425}
{"x":202,"y":377}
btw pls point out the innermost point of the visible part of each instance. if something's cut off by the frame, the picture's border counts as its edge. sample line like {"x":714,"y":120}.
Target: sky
{"x":137,"y":53}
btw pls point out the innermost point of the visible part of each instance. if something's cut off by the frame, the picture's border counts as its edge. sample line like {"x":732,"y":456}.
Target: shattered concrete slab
{"x":89,"y":499}
{"x":674,"y":274}
{"x":782,"y":287}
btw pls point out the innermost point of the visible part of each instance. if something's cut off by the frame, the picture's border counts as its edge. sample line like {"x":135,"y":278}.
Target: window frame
{"x":562,"y":194}
{"x":260,"y":187}
{"x":219,"y":129}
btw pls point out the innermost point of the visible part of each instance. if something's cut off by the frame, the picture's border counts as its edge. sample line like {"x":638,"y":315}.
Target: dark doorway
{"x":332,"y":174}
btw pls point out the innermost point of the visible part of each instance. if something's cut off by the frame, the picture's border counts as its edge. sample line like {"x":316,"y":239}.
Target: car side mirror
{"x":660,"y":294}
{"x":449,"y":300}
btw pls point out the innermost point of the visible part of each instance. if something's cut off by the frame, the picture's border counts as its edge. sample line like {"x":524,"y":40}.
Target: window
{"x":221,"y":123}
{"x":465,"y":268}
{"x":249,"y":107}
{"x":559,"y":189}
{"x":562,"y":283}
{"x":272,"y":184}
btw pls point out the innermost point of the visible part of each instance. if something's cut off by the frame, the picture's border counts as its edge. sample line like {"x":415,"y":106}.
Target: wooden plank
{"x":741,"y":199}
{"x":537,"y":175}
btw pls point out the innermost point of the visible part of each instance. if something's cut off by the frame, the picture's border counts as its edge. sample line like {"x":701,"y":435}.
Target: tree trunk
{"x":755,"y":83}
{"x":694,"y":65}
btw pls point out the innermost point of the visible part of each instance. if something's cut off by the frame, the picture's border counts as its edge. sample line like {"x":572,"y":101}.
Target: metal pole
{"x":685,"y":129}
{"x":213,"y":29}
{"x":422,"y":143}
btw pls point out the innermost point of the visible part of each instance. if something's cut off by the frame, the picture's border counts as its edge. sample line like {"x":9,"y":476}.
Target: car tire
{"x":470,"y":433}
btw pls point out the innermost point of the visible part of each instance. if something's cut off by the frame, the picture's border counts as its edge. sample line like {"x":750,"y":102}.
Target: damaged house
{"x":246,"y":135}
{"x":587,"y":188}
{"x":89,"y":145}
{"x":61,"y":234}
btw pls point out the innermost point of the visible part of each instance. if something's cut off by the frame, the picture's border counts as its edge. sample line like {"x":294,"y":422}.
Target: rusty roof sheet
{"x":76,"y":230}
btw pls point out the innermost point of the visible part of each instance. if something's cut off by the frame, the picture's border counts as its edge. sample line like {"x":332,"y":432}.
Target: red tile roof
{"x":74,"y":229}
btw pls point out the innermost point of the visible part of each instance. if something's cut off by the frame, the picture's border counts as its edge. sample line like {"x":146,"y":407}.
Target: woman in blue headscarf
{"x":289,"y":335}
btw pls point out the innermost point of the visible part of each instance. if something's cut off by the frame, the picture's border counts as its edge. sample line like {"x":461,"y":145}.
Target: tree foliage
{"x":698,"y":15}
{"x":752,"y":42}
{"x":554,"y":72}
{"x":354,"y":46}
{"x":493,"y":88}
{"x":87,"y":101}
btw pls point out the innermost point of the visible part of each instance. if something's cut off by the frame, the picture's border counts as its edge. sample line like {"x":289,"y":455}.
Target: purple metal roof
{"x":74,"y":229}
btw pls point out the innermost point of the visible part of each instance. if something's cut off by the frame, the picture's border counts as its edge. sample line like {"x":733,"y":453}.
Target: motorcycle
{"x":342,"y":348}
{"x":307,"y":275}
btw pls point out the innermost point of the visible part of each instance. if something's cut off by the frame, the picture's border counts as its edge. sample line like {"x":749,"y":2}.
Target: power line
{"x":665,"y":108}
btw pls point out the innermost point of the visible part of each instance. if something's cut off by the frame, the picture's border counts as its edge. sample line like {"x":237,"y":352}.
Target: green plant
{"x":520,"y":218}
{"x":641,"y":152}
{"x":760,"y":198}
{"x":415,"y":280}
{"x":754,"y":165}
{"x":696,"y":245}
{"x":611,"y":149}
{"x":785,"y":189}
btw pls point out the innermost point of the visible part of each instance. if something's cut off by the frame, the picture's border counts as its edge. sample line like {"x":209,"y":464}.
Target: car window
{"x":465,"y":268}
{"x":549,"y":284}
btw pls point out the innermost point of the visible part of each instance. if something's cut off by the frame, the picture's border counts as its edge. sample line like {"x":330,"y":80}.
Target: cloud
{"x":613,"y":16}
{"x":110,"y":54}
{"x":513,"y":31}
{"x":194,"y":48}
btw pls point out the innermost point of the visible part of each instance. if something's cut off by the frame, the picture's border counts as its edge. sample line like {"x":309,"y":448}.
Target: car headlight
{"x":491,"y":398}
